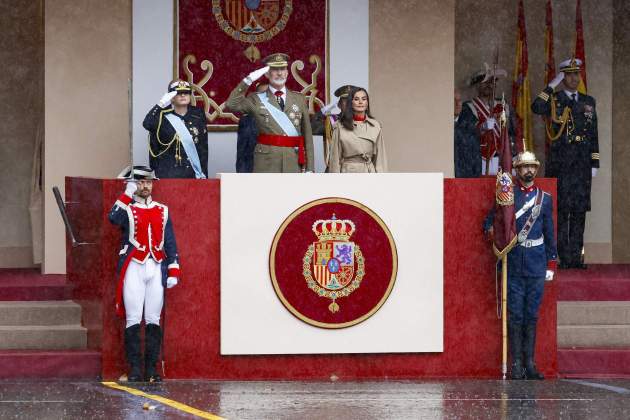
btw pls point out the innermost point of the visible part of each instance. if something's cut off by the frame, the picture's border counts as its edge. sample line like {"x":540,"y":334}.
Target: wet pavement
{"x":444,"y":399}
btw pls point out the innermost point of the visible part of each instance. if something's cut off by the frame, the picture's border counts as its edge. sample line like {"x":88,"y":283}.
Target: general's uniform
{"x":178,"y":144}
{"x":572,"y":156}
{"x":148,"y":255}
{"x":359,"y":150}
{"x":285,"y":140}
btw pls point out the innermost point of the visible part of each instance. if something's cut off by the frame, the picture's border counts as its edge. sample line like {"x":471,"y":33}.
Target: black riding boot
{"x":530,"y":349}
{"x":152,"y":342}
{"x":515,"y":335}
{"x":132,"y":350}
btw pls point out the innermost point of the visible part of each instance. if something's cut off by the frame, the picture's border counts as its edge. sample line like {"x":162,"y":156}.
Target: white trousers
{"x":143,"y":289}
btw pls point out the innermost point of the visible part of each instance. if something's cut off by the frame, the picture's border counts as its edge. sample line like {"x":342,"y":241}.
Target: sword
{"x":62,"y":209}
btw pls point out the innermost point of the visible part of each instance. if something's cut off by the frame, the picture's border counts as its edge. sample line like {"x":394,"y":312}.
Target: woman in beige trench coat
{"x":357,"y":140}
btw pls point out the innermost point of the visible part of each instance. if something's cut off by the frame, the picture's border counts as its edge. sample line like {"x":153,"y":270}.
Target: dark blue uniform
{"x":162,"y":156}
{"x":571,"y":158}
{"x":246,"y":139}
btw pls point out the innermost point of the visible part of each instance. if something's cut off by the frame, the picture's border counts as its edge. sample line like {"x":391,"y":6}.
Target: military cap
{"x":276,"y":60}
{"x":344,"y":91}
{"x":571,"y":65}
{"x":526,"y":158}
{"x":139,"y":173}
{"x":180,"y":86}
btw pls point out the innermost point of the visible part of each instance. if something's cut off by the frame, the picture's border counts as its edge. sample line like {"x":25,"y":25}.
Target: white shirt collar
{"x":274,"y":90}
{"x":570,"y":94}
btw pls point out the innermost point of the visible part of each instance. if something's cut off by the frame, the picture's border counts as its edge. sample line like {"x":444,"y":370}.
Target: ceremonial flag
{"x":579,"y":47}
{"x":521,"y":96}
{"x":550,"y":63}
{"x":504,"y":220}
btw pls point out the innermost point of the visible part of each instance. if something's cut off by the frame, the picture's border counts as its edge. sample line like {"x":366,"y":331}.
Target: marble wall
{"x":21,"y":108}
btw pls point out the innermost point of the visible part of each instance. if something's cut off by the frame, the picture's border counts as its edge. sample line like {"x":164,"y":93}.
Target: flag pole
{"x":504,"y":315}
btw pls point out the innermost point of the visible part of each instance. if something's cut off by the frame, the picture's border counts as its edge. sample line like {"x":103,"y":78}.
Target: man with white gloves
{"x":285,"y":140}
{"x":573,"y":156}
{"x":147,"y":264}
{"x":530,"y":263}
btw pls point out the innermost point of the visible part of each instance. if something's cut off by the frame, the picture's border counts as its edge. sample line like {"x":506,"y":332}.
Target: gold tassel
{"x":333,"y":307}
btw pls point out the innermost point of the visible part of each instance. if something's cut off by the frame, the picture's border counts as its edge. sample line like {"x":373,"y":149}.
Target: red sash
{"x":489,"y":140}
{"x":285,"y":141}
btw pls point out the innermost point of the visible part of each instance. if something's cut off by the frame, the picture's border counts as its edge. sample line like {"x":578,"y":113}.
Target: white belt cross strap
{"x":525,"y":207}
{"x":529,"y":243}
{"x":524,"y":233}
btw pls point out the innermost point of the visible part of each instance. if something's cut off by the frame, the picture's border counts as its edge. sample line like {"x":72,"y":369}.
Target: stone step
{"x":43,"y":337}
{"x":61,"y":312}
{"x":594,"y":313}
{"x":49,"y":364}
{"x":571,"y":336}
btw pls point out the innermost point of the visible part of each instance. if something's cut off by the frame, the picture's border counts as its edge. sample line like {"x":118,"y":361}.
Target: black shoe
{"x":132,"y":351}
{"x":152,"y":343}
{"x":515,"y":336}
{"x":529,"y":348}
{"x":563,"y":266}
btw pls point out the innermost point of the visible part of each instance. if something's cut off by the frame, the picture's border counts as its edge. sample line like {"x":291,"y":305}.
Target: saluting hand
{"x":556,"y":80}
{"x":166,"y":99}
{"x":255,"y":75}
{"x":131,"y":188}
{"x":328,"y":108}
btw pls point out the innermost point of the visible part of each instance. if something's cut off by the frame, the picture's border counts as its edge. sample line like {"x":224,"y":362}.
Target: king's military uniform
{"x":574,"y":151}
{"x":285,"y":141}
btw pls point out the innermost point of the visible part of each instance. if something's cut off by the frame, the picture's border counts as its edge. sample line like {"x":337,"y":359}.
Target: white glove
{"x":549,"y":275}
{"x":130,"y":188}
{"x":556,"y":80}
{"x":326,"y":109}
{"x":593,"y":172}
{"x":255,"y":75}
{"x":166,"y":99}
{"x":170,"y":282}
{"x":489,"y":124}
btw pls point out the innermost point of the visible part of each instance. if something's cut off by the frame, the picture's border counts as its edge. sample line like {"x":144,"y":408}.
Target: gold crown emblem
{"x":183,"y":84}
{"x":278,"y":57}
{"x":333,"y":229}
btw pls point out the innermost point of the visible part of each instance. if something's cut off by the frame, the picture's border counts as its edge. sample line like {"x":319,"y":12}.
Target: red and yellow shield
{"x":333,"y":263}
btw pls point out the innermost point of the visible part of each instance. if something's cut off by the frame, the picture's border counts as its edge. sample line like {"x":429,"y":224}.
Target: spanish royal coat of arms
{"x":333,"y":263}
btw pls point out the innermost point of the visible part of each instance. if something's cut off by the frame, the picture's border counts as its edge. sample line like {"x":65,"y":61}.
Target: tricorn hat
{"x":486,"y":74}
{"x":343,"y":91}
{"x":139,"y":173}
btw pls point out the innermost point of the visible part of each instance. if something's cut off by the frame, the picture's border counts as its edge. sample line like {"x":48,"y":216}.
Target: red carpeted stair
{"x":594,"y":322}
{"x":40,"y":329}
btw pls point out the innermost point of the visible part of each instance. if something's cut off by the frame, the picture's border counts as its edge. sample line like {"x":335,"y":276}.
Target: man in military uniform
{"x":178,"y":138}
{"x":530,"y":263}
{"x":476,"y":129}
{"x":285,"y":140}
{"x":574,"y":156}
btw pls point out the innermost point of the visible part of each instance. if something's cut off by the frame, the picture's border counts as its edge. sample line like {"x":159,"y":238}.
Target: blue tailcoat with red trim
{"x":147,"y":232}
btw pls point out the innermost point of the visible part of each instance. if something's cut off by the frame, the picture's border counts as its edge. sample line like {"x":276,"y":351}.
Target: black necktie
{"x":574,"y":97}
{"x":279,"y":98}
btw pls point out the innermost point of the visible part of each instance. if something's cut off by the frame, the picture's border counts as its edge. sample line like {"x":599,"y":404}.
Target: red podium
{"x":472,"y":331}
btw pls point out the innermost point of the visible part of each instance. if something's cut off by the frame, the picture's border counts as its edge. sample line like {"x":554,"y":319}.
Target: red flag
{"x":579,"y":46}
{"x":504,"y":220}
{"x":521,"y":95}
{"x":550,"y":63}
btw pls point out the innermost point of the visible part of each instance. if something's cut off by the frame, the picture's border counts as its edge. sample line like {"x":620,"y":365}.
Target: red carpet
{"x":29,"y":284}
{"x":23,"y":364}
{"x":598,"y":282}
{"x":593,"y":363}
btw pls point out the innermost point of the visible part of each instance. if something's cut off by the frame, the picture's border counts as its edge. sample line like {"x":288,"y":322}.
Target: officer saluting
{"x":574,"y":156}
{"x":178,"y":143}
{"x":530,"y":263}
{"x":285,"y":141}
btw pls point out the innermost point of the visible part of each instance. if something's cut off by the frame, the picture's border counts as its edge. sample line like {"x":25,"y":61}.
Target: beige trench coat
{"x":359,"y":150}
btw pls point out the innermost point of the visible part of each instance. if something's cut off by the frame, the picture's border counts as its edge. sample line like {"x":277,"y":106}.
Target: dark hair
{"x":348,"y":113}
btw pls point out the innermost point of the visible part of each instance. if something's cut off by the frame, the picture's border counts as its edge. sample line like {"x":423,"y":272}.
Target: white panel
{"x":153,"y":69}
{"x":254,"y":321}
{"x":152,"y":64}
